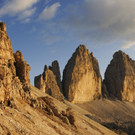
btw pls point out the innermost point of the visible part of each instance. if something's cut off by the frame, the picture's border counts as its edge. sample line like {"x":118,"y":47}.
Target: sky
{"x":48,"y":30}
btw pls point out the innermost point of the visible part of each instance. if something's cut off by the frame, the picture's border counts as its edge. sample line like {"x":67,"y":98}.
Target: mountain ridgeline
{"x":82,"y":80}
{"x":78,"y":104}
{"x":25,"y":109}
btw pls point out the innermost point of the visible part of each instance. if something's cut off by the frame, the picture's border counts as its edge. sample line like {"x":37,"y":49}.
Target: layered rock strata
{"x":120,"y":77}
{"x":47,"y":82}
{"x":81,"y":77}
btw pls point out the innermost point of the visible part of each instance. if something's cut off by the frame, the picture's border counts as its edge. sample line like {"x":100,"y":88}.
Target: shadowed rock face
{"x":47,"y":83}
{"x":56,"y":70}
{"x":3,"y":26}
{"x":81,"y":77}
{"x":22,"y":68}
{"x":120,"y":77}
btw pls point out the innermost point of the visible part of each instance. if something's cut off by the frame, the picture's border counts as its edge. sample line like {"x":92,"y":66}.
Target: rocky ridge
{"x":10,"y":85}
{"x":82,"y":80}
{"x":81,"y":77}
{"x":26,"y":110}
{"x":48,"y":83}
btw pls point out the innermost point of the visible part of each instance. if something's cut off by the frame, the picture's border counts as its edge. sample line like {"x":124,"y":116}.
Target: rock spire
{"x":48,"y":81}
{"x":120,"y":77}
{"x":10,"y":85}
{"x":81,"y":77}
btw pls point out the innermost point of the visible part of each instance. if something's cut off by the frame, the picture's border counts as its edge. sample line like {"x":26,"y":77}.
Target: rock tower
{"x":81,"y":77}
{"x":10,"y":85}
{"x":120,"y":77}
{"x":48,"y":82}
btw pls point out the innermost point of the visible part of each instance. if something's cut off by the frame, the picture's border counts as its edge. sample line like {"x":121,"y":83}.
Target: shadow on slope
{"x":118,"y":116}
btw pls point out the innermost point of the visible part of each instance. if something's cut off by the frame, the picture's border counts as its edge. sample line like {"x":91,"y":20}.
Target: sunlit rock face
{"x":10,"y":85}
{"x":47,"y":82}
{"x":81,"y":77}
{"x":56,"y":70}
{"x":120,"y":77}
{"x":6,"y":51}
{"x":11,"y":71}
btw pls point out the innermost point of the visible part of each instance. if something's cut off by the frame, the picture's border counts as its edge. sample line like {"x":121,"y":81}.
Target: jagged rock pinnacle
{"x":120,"y":76}
{"x":81,"y":77}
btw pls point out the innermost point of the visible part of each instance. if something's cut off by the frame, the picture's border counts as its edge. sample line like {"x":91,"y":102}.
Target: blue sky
{"x":47,"y":30}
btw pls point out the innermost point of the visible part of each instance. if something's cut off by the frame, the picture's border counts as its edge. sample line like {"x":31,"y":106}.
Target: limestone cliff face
{"x":8,"y":78}
{"x":56,"y":70}
{"x":22,"y":68}
{"x":6,"y":51}
{"x":120,"y":77}
{"x":81,"y":77}
{"x":47,"y":82}
{"x":10,"y":85}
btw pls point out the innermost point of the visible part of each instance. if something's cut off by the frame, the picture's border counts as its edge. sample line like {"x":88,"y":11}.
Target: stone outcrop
{"x":81,"y":77}
{"x":47,"y":83}
{"x":10,"y":85}
{"x":56,"y":70}
{"x":6,"y":51}
{"x":7,"y":69}
{"x":2,"y":27}
{"x":47,"y":105}
{"x":22,"y":68}
{"x":120,"y":77}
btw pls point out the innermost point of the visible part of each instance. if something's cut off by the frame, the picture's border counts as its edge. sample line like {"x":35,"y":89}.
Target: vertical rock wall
{"x":47,"y":82}
{"x":10,"y":85}
{"x":81,"y":77}
{"x":120,"y":77}
{"x":22,"y":68}
{"x":56,"y":70}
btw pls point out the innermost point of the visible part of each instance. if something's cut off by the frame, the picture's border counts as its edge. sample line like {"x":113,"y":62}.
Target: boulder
{"x":120,"y":77}
{"x":81,"y":77}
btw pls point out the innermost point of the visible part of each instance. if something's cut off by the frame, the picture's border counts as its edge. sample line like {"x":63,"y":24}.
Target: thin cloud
{"x":128,"y":45}
{"x":47,"y":1}
{"x":27,"y":13}
{"x":26,"y":20}
{"x":49,"y":12}
{"x":102,"y":21}
{"x":21,"y":8}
